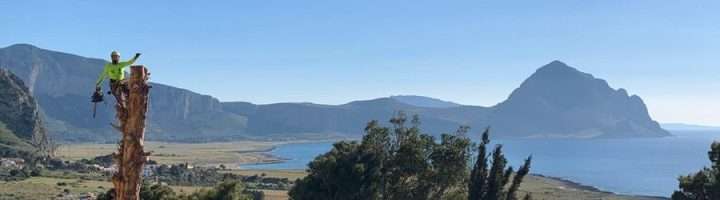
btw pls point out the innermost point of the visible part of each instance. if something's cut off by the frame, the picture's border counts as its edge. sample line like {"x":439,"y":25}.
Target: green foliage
{"x":517,"y":179}
{"x":232,"y":190}
{"x":14,"y":147}
{"x":479,"y":173}
{"x":200,"y":176}
{"x":223,"y":191}
{"x":156,"y":192}
{"x":703,"y":185}
{"x":15,"y":174}
{"x":401,"y":163}
{"x":10,"y":140}
{"x":344,"y":173}
{"x":491,"y":184}
{"x":108,"y":195}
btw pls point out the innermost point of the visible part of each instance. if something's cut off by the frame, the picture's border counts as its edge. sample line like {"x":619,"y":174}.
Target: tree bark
{"x":131,"y":114}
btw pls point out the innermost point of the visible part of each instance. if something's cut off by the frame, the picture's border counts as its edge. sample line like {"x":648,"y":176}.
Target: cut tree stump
{"x":131,"y":157}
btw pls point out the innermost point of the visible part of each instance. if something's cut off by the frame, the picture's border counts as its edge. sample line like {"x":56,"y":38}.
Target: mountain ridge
{"x":423,"y":101}
{"x":180,"y":114}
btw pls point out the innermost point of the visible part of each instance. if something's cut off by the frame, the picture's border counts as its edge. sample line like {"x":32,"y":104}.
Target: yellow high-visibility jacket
{"x":114,"y":71}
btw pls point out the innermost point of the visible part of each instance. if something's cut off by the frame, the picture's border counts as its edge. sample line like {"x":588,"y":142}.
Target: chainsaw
{"x":96,"y":98}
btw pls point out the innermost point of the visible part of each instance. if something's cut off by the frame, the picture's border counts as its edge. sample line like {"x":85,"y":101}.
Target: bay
{"x":638,"y":166}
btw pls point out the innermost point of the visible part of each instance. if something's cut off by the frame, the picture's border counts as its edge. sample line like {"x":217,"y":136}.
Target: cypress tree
{"x":478,"y":177}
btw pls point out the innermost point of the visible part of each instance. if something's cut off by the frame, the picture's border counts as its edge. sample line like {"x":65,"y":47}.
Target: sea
{"x":638,"y":166}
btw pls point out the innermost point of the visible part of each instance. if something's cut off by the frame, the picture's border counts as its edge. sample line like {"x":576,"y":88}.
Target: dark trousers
{"x":119,"y":90}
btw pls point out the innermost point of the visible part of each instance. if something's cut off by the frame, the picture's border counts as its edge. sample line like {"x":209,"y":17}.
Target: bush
{"x":703,"y":185}
{"x":233,"y":190}
{"x":403,"y":163}
{"x":227,"y":191}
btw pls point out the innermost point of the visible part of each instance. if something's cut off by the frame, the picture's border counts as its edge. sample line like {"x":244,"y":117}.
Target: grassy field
{"x":49,"y":188}
{"x":230,"y":154}
{"x":543,"y":188}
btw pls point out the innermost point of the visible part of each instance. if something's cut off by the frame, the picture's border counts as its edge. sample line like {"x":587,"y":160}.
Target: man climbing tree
{"x":115,"y":72}
{"x":131,"y":97}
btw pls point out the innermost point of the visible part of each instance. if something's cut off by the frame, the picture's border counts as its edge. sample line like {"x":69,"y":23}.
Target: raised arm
{"x":131,"y":61}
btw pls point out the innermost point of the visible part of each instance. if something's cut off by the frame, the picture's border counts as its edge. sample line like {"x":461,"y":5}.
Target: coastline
{"x":576,"y":188}
{"x":269,"y":157}
{"x":545,"y":187}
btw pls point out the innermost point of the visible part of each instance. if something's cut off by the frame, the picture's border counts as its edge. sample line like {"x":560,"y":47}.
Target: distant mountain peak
{"x":558,"y":69}
{"x":423,"y":101}
{"x":384,"y":101}
{"x":559,"y":100}
{"x":555,"y":80}
{"x":556,"y":65}
{"x":21,"y":46}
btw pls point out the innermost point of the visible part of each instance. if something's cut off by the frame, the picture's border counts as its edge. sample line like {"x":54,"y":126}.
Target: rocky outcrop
{"x":560,"y":101}
{"x":18,"y":110}
{"x":180,"y":114}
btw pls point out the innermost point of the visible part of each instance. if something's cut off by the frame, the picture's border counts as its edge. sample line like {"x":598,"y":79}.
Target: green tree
{"x":703,"y":185}
{"x":517,"y":180}
{"x":491,"y":183}
{"x":232,"y":190}
{"x":338,"y":174}
{"x":478,"y":176}
{"x":408,"y":169}
{"x":450,"y":161}
{"x":397,"y":163}
{"x":156,"y":192}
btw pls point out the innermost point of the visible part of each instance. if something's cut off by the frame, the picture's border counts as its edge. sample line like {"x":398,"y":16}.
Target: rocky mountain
{"x":18,"y":110}
{"x":556,"y":101}
{"x":560,"y":101}
{"x":179,"y":114}
{"x":62,"y":84}
{"x":19,"y":115}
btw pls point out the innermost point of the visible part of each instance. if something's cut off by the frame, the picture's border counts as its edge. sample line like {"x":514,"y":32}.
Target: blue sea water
{"x":644,"y":166}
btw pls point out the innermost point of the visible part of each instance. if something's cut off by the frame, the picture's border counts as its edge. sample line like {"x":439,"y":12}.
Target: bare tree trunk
{"x":131,"y":115}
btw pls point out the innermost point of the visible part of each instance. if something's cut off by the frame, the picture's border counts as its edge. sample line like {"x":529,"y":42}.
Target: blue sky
{"x":471,"y":52}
